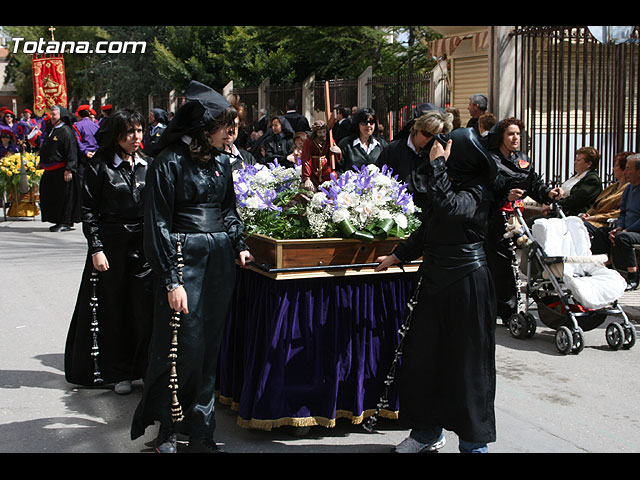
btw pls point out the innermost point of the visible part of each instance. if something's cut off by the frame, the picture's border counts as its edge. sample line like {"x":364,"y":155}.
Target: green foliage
{"x":215,"y":55}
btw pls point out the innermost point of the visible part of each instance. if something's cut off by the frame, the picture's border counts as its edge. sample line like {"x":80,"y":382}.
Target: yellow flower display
{"x":11,"y":168}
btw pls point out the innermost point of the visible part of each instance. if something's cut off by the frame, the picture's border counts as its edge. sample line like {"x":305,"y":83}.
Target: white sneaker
{"x":410,"y":445}
{"x":123,"y":388}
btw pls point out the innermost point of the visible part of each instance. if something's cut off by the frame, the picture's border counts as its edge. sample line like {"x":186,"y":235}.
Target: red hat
{"x":26,"y":110}
{"x":82,"y":107}
{"x":106,"y":107}
{"x":9,"y":112}
{"x":93,"y":112}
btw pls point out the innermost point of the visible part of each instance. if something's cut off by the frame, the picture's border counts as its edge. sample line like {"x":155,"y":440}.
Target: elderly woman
{"x":363,"y":145}
{"x":192,"y":237}
{"x":606,"y":207}
{"x":582,"y":189}
{"x":112,"y":222}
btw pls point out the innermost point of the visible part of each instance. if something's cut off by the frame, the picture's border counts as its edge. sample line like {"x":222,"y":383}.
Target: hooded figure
{"x":447,"y":376}
{"x":276,"y":143}
{"x":60,"y":186}
{"x":155,"y":129}
{"x":192,"y":236}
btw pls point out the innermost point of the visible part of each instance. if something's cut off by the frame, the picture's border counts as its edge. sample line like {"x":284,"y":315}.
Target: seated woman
{"x":276,"y":143}
{"x":607,"y":205}
{"x":582,"y":189}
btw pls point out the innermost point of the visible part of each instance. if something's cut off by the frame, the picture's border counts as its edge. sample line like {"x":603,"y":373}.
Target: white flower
{"x":339,"y":215}
{"x":366,"y":209}
{"x":318,"y":199}
{"x":253,"y":202}
{"x":347,"y":199}
{"x":384,"y":214}
{"x":400,"y":220}
{"x":373,"y":168}
{"x":263,"y":176}
{"x":380,"y":195}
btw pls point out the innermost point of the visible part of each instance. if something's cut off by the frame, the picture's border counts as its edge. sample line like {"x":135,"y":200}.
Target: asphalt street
{"x":545,"y":402}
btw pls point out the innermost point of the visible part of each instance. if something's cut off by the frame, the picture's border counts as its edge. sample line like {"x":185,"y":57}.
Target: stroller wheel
{"x":564,"y":340}
{"x":531,"y":325}
{"x":629,"y":336}
{"x":518,"y":325}
{"x":578,"y":340}
{"x":614,"y":335}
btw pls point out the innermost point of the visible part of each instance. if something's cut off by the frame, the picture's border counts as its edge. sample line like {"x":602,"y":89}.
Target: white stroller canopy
{"x":591,"y":283}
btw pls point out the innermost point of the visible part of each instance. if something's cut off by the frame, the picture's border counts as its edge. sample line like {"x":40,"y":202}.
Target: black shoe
{"x":166,"y":443}
{"x":58,"y":227}
{"x":204,"y":446}
{"x":632,"y":281}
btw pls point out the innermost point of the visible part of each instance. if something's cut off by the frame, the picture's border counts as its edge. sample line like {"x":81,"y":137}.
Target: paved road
{"x":545,"y":402}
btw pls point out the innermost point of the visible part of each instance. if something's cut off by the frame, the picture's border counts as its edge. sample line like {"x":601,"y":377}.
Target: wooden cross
{"x":51,"y":29}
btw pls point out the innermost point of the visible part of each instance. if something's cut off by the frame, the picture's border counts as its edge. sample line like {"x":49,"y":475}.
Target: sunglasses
{"x":370,"y":121}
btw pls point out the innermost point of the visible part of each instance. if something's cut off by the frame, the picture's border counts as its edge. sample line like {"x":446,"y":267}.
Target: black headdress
{"x":203,"y":105}
{"x":65,"y":115}
{"x":469,"y":162}
{"x":160,"y":115}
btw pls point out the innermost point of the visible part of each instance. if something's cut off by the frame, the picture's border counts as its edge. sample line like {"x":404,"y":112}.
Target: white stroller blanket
{"x":592,"y":284}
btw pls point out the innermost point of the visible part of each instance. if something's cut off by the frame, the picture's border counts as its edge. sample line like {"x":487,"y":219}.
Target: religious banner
{"x":49,"y":83}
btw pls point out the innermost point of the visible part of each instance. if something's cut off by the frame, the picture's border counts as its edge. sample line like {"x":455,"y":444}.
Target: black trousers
{"x":622,"y":253}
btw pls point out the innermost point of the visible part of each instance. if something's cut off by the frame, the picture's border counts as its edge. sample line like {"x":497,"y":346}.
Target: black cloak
{"x":60,"y":200}
{"x":447,"y":376}
{"x":190,"y":201}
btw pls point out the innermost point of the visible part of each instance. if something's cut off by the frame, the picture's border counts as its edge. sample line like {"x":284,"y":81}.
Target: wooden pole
{"x":327,"y":107}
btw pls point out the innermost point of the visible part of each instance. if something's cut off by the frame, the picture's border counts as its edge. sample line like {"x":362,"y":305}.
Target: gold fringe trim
{"x":312,"y":421}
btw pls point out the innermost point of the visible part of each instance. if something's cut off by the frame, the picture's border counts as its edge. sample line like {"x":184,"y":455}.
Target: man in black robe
{"x":60,"y":183}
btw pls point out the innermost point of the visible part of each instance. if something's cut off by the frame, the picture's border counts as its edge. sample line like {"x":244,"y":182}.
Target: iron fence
{"x":574,"y":92}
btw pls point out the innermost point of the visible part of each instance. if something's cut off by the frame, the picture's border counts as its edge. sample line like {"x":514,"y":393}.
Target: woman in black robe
{"x":516,"y":179}
{"x":112,"y":219}
{"x":447,"y":376}
{"x":276,"y":143}
{"x":193,"y":235}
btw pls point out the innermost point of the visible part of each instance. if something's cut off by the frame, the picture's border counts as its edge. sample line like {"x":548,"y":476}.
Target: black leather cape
{"x":112,"y":222}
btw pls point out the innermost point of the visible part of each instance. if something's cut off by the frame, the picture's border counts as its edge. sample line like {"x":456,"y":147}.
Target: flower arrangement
{"x":366,"y":204}
{"x":11,"y":170}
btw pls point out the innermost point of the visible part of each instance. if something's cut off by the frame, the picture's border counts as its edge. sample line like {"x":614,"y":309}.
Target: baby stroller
{"x":573,"y":290}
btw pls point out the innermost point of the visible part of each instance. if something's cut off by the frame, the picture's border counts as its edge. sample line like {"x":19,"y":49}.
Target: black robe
{"x":59,"y":200}
{"x":447,"y":375}
{"x":112,"y":221}
{"x":276,"y":146}
{"x":195,"y":203}
{"x":401,"y":158}
{"x":516,"y":171}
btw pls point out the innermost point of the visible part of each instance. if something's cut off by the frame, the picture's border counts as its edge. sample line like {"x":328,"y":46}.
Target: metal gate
{"x":574,"y":92}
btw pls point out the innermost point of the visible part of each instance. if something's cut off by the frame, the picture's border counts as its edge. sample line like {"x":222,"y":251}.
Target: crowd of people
{"x":156,"y":200}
